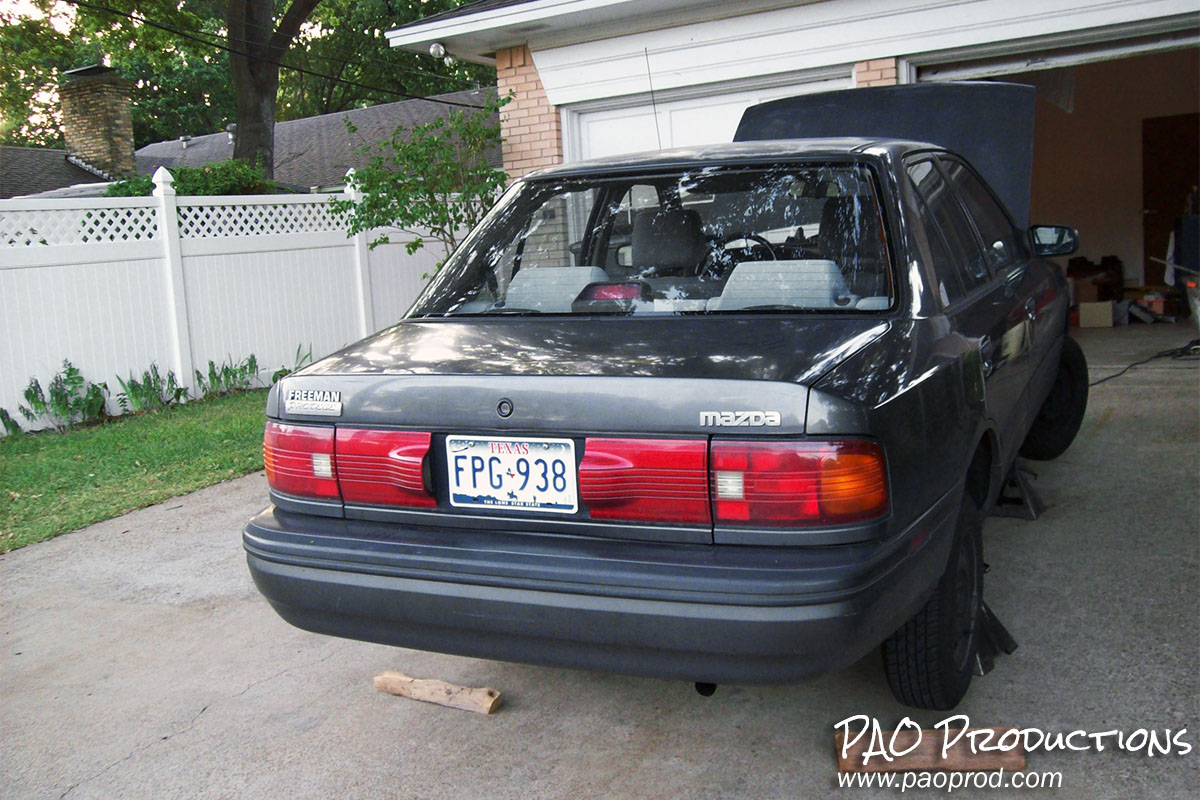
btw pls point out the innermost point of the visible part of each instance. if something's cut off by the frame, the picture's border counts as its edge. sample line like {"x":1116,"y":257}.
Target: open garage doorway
{"x":1116,"y":148}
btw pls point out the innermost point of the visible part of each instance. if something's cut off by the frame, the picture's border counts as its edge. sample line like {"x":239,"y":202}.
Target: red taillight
{"x":383,"y":467}
{"x":299,"y":460}
{"x":645,"y":480}
{"x":797,"y":483}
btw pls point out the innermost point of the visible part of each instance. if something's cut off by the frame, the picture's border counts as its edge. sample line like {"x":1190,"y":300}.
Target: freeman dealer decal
{"x":314,"y":402}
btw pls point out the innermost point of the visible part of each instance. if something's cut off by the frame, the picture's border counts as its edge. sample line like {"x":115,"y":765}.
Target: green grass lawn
{"x":53,"y":483}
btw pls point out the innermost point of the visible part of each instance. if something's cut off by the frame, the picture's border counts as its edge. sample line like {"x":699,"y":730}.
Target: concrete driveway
{"x":137,"y":660}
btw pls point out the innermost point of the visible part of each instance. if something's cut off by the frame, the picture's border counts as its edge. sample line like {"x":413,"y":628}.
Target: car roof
{"x":737,"y":152}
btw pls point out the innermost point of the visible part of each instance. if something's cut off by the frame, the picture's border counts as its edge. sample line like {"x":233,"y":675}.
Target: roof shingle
{"x":29,"y":170}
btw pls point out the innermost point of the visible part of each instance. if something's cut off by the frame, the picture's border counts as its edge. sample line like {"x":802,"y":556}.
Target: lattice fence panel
{"x":207,"y":222}
{"x":64,"y":226}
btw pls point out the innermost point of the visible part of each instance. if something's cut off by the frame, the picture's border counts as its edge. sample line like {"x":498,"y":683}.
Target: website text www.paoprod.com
{"x":949,"y":781}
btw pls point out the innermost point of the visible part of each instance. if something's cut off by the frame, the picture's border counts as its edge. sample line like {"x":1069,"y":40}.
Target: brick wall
{"x":877,"y":72}
{"x":97,"y":123}
{"x":530,"y":126}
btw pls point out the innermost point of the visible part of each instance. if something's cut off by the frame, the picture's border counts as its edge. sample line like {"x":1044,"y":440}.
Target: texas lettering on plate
{"x":532,"y":474}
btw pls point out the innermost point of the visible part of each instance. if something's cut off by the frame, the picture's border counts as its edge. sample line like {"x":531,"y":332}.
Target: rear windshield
{"x":706,"y":241}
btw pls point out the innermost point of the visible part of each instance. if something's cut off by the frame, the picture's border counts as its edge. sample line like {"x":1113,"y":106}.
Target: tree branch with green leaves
{"x":431,"y":182}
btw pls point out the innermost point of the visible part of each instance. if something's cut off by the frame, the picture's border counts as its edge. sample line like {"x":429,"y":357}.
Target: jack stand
{"x":1026,"y":504}
{"x":994,"y":639}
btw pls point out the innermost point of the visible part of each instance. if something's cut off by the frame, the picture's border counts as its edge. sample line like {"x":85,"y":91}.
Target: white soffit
{"x":824,"y":34}
{"x":1050,"y":53}
{"x":476,"y":36}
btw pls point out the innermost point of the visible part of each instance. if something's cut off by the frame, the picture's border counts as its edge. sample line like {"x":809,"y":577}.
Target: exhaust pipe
{"x":705,"y":689}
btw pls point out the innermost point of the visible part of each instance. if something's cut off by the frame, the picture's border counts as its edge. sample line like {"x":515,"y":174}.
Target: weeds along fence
{"x":115,"y":284}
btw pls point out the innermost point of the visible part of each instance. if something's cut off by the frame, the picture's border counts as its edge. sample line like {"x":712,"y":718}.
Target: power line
{"x":342,"y":56}
{"x":219,"y":45}
{"x":192,"y":34}
{"x":187,"y":35}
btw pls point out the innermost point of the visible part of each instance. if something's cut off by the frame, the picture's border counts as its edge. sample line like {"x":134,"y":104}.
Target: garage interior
{"x":1116,"y":152}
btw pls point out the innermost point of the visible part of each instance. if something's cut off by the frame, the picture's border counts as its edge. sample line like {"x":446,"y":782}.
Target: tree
{"x":348,"y":62}
{"x":180,"y":84}
{"x":257,"y":48}
{"x":346,"y":38}
{"x":199,"y":64}
{"x":30,"y":48}
{"x":430,"y":182}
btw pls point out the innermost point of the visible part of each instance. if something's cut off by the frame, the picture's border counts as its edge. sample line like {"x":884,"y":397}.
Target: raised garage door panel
{"x":709,"y":119}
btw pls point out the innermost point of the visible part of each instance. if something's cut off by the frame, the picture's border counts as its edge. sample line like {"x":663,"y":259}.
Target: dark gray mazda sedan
{"x":730,"y":414}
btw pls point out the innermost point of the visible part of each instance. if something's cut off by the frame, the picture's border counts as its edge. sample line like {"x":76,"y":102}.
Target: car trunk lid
{"x":580,"y":376}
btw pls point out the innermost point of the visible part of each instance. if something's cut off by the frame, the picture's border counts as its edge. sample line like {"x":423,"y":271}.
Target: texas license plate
{"x":531,"y":474}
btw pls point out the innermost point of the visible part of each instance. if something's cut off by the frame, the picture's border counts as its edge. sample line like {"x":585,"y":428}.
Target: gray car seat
{"x":550,"y":289}
{"x":807,"y":283}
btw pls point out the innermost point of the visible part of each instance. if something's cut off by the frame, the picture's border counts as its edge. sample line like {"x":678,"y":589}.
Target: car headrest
{"x":669,"y":239}
{"x":849,"y":230}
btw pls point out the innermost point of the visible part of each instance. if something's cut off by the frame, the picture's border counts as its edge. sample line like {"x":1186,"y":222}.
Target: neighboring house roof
{"x":317,"y":151}
{"x":30,"y":170}
{"x":74,"y":191}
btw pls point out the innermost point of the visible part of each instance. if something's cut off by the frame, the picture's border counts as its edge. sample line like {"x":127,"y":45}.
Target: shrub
{"x":224,"y":177}
{"x":228,"y":378}
{"x":71,"y":400}
{"x":11,"y":426}
{"x":151,"y":393}
{"x":302,"y":359}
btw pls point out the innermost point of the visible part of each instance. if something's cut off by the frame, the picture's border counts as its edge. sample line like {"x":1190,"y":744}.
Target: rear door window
{"x":1002,"y":243}
{"x":949,"y":282}
{"x":968,"y":263}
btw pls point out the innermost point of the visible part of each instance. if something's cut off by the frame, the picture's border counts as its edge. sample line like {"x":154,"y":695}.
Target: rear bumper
{"x":721,"y":614}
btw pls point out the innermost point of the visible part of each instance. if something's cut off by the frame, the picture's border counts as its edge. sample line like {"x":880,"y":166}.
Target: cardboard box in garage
{"x":1096,"y":315}
{"x":1086,"y":290}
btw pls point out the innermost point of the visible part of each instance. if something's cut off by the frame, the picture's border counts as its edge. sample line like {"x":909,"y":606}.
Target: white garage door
{"x":705,"y":119}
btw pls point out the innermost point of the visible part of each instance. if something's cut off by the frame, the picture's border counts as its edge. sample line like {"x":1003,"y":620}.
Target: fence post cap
{"x":163,"y":183}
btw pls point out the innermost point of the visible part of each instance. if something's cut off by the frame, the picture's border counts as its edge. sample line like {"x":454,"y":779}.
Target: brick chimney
{"x":97,"y":123}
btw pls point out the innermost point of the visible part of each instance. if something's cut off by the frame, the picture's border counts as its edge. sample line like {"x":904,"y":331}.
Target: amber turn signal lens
{"x":853,"y":483}
{"x":797,"y":483}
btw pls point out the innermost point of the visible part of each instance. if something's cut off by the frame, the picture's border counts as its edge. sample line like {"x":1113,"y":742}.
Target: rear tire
{"x":929,"y":660}
{"x":1062,"y":412}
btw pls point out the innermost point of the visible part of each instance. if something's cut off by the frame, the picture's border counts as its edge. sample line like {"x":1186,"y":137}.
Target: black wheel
{"x":1061,"y":413}
{"x":929,"y":661}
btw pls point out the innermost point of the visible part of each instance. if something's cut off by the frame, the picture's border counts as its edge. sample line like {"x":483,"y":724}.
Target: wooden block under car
{"x":481,"y":701}
{"x":924,"y":753}
{"x":1096,"y":315}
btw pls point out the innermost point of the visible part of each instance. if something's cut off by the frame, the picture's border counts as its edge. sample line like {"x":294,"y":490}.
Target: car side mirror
{"x":1054,"y":240}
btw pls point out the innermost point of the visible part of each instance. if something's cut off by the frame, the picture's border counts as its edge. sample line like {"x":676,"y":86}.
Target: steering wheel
{"x":718,"y":263}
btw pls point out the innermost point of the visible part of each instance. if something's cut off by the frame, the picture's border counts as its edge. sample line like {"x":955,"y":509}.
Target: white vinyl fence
{"x":115,"y":284}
